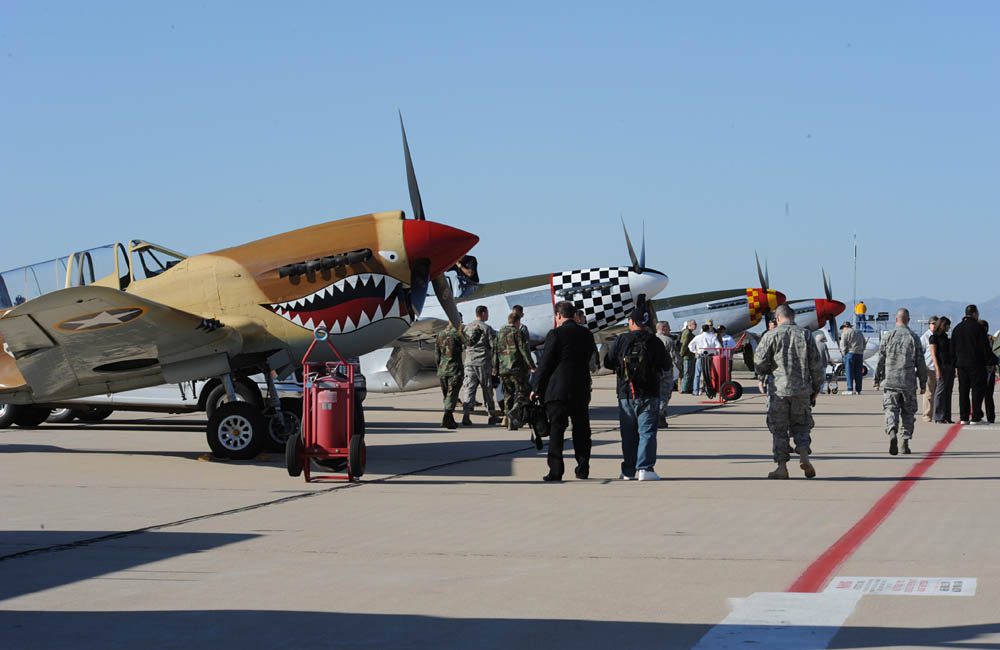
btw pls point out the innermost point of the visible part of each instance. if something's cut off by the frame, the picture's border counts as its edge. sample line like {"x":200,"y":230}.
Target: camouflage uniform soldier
{"x":789,"y":353}
{"x":480,"y":339}
{"x":450,"y":370}
{"x":900,"y":366}
{"x":513,"y":364}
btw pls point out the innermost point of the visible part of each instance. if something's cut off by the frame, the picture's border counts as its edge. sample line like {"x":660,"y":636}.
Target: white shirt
{"x":928,"y":357}
{"x":703,"y":343}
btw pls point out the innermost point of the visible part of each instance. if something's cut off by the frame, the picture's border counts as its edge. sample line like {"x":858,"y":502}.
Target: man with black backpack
{"x":638,"y":358}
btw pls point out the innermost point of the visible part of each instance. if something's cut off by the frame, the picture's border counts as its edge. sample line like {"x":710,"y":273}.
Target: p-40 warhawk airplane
{"x":159,"y":317}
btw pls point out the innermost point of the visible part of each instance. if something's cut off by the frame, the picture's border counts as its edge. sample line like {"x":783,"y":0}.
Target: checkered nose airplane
{"x":606,"y":295}
{"x":123,"y":317}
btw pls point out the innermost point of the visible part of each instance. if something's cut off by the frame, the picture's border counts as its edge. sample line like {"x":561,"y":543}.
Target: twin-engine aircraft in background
{"x":159,"y":317}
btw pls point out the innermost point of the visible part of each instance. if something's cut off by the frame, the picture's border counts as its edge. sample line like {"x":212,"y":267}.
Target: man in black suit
{"x":562,"y":381}
{"x":971,"y":350}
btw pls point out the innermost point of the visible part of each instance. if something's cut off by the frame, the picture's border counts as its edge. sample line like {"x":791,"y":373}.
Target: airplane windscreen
{"x":153,"y":260}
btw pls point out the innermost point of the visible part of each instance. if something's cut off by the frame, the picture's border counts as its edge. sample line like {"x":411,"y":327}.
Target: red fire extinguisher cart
{"x":721,"y":375}
{"x":327,"y":418}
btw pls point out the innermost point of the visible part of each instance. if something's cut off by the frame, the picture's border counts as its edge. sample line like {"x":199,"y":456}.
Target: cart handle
{"x":321,"y":334}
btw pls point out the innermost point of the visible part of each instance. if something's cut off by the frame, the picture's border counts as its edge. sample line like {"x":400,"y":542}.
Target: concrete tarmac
{"x":119,"y":535}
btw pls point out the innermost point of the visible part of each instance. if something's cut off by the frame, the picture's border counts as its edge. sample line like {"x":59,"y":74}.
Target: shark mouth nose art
{"x":347,"y":305}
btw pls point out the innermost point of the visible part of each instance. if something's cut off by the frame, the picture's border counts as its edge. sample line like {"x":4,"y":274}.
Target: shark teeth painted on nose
{"x":346,"y":305}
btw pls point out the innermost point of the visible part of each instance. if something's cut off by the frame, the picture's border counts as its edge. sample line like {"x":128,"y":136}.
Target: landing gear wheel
{"x":63,"y":416}
{"x":293,"y":455}
{"x":218,"y":397}
{"x":289,"y":423}
{"x":95,"y":414}
{"x":731,"y":391}
{"x":237,"y":430}
{"x":356,"y":457}
{"x":7,"y":414}
{"x":31,"y":416}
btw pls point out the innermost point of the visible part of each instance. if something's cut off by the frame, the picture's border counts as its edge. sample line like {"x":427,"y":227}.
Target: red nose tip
{"x":827,"y":309}
{"x":442,"y":245}
{"x":779,"y":297}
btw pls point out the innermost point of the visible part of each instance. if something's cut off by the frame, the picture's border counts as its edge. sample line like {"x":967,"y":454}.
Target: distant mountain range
{"x":923,"y":308}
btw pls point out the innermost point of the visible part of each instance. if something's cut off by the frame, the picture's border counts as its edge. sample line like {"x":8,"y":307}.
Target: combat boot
{"x":448,"y":422}
{"x":805,"y":465}
{"x":906,"y":447}
{"x":494,"y":419}
{"x":466,"y":420}
{"x":893,"y":446}
{"x":781,"y":472}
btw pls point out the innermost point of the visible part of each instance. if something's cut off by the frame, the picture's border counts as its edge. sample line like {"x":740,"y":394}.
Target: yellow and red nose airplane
{"x":159,"y":317}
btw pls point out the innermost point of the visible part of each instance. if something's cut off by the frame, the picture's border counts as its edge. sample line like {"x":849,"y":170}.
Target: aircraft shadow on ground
{"x":273,"y":629}
{"x":46,"y":569}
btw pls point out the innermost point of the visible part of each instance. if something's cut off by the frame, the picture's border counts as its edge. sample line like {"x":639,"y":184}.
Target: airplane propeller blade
{"x":631,"y":251}
{"x":828,"y":290}
{"x":445,"y":296}
{"x":411,"y":177}
{"x":642,"y":249}
{"x":442,"y":288}
{"x":760,"y":273}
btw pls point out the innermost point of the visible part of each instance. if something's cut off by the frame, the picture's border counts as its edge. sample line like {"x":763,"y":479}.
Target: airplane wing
{"x":88,"y":340}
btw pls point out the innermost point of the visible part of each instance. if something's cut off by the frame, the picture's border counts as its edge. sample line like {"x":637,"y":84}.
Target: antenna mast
{"x":855,"y":299}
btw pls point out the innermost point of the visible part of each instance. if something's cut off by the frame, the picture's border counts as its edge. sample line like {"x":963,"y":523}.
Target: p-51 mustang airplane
{"x":160,"y":317}
{"x":605,"y":294}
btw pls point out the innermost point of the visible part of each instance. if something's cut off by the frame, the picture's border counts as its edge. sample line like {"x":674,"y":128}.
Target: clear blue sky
{"x":202,"y":125}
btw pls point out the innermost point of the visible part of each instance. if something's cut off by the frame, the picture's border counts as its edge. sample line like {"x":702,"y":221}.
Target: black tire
{"x":731,"y":391}
{"x":356,"y":457}
{"x":63,"y":416}
{"x":279,"y":430}
{"x":95,"y":414}
{"x":237,"y":430}
{"x":293,"y":455}
{"x":30,"y":417}
{"x":7,"y":414}
{"x":218,"y":397}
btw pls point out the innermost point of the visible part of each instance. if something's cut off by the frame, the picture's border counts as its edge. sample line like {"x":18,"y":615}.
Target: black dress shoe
{"x":552,"y":478}
{"x":582,"y":474}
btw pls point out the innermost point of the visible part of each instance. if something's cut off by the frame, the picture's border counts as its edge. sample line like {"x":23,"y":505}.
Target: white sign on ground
{"x":903,"y":586}
{"x":781,"y":621}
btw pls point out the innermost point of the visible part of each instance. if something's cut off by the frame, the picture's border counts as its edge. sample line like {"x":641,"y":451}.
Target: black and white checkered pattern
{"x":602,"y":306}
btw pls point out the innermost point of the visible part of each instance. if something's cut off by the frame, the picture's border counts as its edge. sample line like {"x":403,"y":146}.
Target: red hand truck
{"x":327,"y":418}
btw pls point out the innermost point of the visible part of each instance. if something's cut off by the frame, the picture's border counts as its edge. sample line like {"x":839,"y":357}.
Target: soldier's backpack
{"x":638,"y":368}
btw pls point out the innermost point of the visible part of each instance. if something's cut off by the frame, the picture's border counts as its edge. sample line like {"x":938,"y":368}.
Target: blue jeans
{"x":853,"y":363}
{"x":637,"y":419}
{"x":697,"y":374}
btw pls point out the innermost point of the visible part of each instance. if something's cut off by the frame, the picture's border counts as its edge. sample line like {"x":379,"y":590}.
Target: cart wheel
{"x":731,"y":391}
{"x":279,"y":429}
{"x":356,"y":457}
{"x":95,"y":414}
{"x":237,"y":430}
{"x":293,"y":455}
{"x":31,"y":416}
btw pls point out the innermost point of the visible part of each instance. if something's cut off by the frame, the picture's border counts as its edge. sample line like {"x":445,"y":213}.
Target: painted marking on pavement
{"x":816,"y":575}
{"x":777,"y":621}
{"x":903,"y":586}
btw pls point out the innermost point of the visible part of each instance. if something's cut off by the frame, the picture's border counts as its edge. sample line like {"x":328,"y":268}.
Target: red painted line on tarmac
{"x":817,"y":574}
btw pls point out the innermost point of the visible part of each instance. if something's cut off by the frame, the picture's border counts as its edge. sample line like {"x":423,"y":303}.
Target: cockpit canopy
{"x":112,"y":265}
